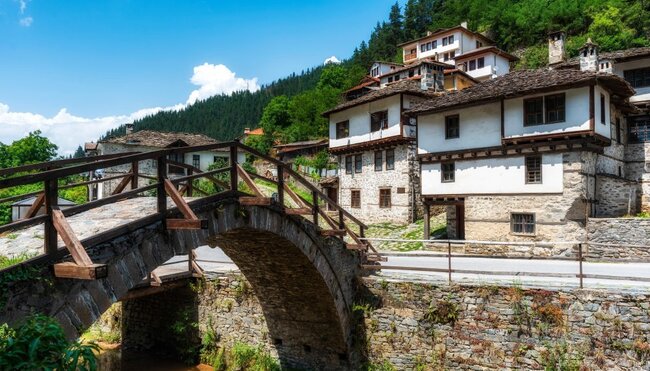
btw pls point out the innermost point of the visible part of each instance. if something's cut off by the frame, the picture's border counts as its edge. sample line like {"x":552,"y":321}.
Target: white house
{"x":375,"y":146}
{"x":485,"y":62}
{"x":147,"y":140}
{"x":444,"y":45}
{"x":530,"y":154}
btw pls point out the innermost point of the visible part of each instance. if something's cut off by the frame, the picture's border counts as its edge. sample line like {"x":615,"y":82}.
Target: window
{"x":342,"y":129}
{"x":478,"y":44}
{"x":411,"y":73}
{"x":533,"y":169}
{"x":472,"y":65}
{"x":378,"y":120}
{"x":480,"y":63}
{"x":448,"y":172}
{"x":446,"y":57}
{"x":444,"y":41}
{"x":396,"y":77}
{"x":452,"y":54}
{"x":522,"y":223}
{"x":555,"y":109}
{"x":533,"y":111}
{"x":390,"y":79}
{"x":602,"y":109}
{"x":355,"y":198}
{"x":638,"y":78}
{"x":379,"y":161}
{"x":358,"y":163}
{"x":384,"y":198}
{"x":196,"y":161}
{"x":452,"y":127}
{"x":348,"y":164}
{"x":435,"y":44}
{"x":451,"y":39}
{"x":413,"y":51}
{"x":390,"y":159}
{"x":639,"y":129}
{"x":423,"y":47}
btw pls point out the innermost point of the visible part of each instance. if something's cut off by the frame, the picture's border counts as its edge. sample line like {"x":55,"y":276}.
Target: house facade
{"x":529,"y":155}
{"x":374,"y":143}
{"x":146,"y":141}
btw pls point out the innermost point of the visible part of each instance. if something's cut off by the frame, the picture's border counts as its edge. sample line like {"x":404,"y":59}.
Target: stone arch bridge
{"x":301,"y":261}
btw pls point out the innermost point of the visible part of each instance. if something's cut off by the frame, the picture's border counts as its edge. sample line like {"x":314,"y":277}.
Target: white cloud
{"x":26,"y":22}
{"x":332,"y":59}
{"x":68,"y":131}
{"x":23,"y":5}
{"x":218,"y":79}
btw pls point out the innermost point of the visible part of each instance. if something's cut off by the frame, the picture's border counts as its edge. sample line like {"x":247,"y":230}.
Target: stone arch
{"x":304,"y":282}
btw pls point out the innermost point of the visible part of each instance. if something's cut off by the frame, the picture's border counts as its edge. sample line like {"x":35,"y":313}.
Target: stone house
{"x":530,"y":155}
{"x":375,"y":148}
{"x":147,"y":140}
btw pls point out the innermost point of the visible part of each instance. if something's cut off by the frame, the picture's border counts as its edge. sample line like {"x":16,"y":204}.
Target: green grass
{"x":8,"y":262}
{"x":414,"y":231}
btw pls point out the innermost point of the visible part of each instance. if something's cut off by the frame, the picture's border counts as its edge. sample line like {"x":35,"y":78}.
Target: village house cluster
{"x":510,"y":154}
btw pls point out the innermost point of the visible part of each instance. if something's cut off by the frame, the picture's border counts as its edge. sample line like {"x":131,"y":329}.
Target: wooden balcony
{"x":409,"y":57}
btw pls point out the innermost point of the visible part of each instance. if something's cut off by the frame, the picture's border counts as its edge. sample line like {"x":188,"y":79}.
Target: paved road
{"x":215,"y":261}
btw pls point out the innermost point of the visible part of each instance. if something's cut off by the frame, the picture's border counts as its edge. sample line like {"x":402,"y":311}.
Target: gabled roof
{"x":405,"y":86}
{"x":520,"y":83}
{"x":462,"y":73}
{"x":160,"y":139}
{"x":365,"y":82}
{"x":615,"y":56}
{"x":485,"y":49}
{"x":90,"y":146}
{"x":441,"y":31}
{"x":415,"y":65}
{"x":296,"y":146}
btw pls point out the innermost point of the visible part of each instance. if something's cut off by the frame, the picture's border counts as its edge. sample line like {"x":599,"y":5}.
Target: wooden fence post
{"x":190,"y":183}
{"x":134,"y":175}
{"x":51,"y":191}
{"x":161,"y":194}
{"x":341,"y":220}
{"x":427,"y":217}
{"x":314,"y":206}
{"x":280,"y":171}
{"x":233,"y":168}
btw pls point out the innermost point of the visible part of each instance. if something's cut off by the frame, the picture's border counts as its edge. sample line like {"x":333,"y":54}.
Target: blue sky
{"x":101,"y":62}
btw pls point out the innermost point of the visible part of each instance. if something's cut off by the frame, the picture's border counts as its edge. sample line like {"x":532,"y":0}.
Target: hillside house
{"x":528,"y":155}
{"x":145,"y":141}
{"x":375,"y":147}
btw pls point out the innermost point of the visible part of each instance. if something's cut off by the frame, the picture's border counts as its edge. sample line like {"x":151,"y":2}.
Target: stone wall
{"x":625,"y":231}
{"x":400,"y":181}
{"x":411,"y":325}
{"x":636,"y":156}
{"x":616,"y":196}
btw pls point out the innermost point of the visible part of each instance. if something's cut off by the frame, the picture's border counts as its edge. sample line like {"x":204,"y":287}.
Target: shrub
{"x":442,"y":312}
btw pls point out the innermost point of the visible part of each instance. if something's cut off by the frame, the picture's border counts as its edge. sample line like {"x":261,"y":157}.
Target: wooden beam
{"x":299,"y":211}
{"x":255,"y":201}
{"x":186,"y":224}
{"x":334,"y":232}
{"x":297,"y":199}
{"x":75,"y":271}
{"x":183,"y":207}
{"x":38,"y":203}
{"x":155,"y":280}
{"x":249,"y":182}
{"x":71,"y":241}
{"x":122,"y":185}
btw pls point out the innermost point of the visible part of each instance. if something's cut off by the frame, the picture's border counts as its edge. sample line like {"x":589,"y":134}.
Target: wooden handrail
{"x":55,"y":164}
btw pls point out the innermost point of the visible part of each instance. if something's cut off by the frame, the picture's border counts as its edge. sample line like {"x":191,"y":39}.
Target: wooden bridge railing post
{"x":51,"y":190}
{"x":134,"y":175}
{"x":161,"y":194}
{"x":314,"y":206}
{"x":341,"y":219}
{"x":190,"y":183}
{"x":233,"y":168}
{"x":280,"y":171}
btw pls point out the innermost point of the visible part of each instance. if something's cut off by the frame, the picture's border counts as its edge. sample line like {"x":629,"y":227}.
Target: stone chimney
{"x":247,"y":130}
{"x":463,"y":24}
{"x":432,"y":77}
{"x":556,"y":49}
{"x":129,"y":128}
{"x":589,"y":56}
{"x":429,"y":33}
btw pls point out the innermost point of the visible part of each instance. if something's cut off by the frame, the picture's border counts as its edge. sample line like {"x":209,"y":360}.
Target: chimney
{"x":463,"y":24}
{"x":589,"y":56}
{"x":556,"y":50}
{"x":129,"y":128}
{"x":429,"y":33}
{"x":247,"y":130}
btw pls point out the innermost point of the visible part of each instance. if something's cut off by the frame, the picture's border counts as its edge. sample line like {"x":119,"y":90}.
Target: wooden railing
{"x":54,"y":220}
{"x":410,"y":56}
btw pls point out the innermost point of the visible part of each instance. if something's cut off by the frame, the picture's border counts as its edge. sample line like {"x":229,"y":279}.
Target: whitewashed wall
{"x":602,"y":129}
{"x":642,"y":94}
{"x":494,"y":176}
{"x":359,"y":118}
{"x":577,"y":115}
{"x":480,"y":127}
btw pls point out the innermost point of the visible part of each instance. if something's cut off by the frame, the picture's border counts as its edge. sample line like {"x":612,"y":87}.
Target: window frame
{"x":638,"y":130}
{"x":444,"y":171}
{"x":472,"y":64}
{"x":381,"y":124}
{"x":448,"y":127}
{"x":480,"y":62}
{"x":357,"y":198}
{"x":603,"y":111}
{"x":196,"y":161}
{"x":358,"y":164}
{"x":523,"y":224}
{"x":343,"y":129}
{"x":385,"y":194}
{"x":390,"y":165}
{"x":539,"y":114}
{"x":561,"y":110}
{"x":638,"y":77}
{"x":379,"y":156}
{"x":348,"y":164}
{"x":538,"y":172}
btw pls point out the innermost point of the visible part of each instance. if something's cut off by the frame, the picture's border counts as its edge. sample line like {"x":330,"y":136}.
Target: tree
{"x":79,"y":153}
{"x":31,"y":149}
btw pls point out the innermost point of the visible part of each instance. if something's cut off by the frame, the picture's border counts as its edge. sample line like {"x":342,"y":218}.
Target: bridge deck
{"x":87,"y":224}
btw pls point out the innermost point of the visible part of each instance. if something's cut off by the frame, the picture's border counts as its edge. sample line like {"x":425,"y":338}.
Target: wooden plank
{"x":155,"y":280}
{"x":327,"y":218}
{"x":255,"y":201}
{"x":334,"y":232}
{"x":50,"y":240}
{"x":36,"y":206}
{"x":298,"y":211}
{"x":183,"y":207}
{"x":60,"y":163}
{"x":70,"y":239}
{"x":75,"y":271}
{"x":186,"y":224}
{"x":249,"y":181}
{"x":122,"y":185}
{"x":354,"y":246}
{"x":377,"y":258}
{"x":297,"y":199}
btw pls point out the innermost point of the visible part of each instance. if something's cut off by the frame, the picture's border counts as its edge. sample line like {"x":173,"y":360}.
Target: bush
{"x":40,"y":344}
